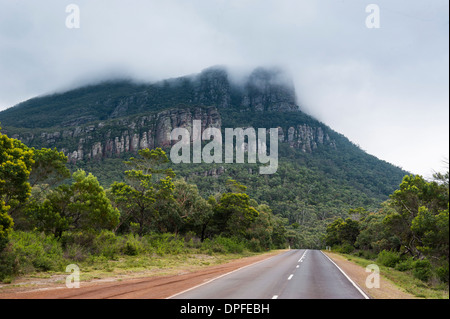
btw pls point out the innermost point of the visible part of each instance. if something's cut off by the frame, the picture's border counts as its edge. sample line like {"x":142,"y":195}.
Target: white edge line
{"x":349,"y":279}
{"x":218,"y":277}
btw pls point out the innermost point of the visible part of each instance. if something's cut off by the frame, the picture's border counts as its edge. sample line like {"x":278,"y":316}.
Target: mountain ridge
{"x":263,"y":90}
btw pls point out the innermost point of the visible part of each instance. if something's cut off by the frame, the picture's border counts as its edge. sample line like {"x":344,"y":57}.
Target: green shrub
{"x":75,"y":252}
{"x":442,"y":273}
{"x":133,"y":246}
{"x":367,"y":254}
{"x":84,"y":239}
{"x":388,"y":258}
{"x":227,"y":245}
{"x":405,"y":265}
{"x":34,"y":251}
{"x":107,"y":244}
{"x":163,"y":244}
{"x":422,"y":270}
{"x":9,"y":265}
{"x":254,"y":245}
{"x":346,"y":248}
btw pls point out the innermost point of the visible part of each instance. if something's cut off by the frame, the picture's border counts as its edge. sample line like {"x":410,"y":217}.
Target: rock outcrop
{"x":305,"y":138}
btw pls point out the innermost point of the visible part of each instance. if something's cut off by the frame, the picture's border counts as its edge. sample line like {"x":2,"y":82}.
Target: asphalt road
{"x":295,"y":274}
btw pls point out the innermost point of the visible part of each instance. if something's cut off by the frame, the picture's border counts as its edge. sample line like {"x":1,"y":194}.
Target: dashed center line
{"x":296,"y":266}
{"x":303,"y":256}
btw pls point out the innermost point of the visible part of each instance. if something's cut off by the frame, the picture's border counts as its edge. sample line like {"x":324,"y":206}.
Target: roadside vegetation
{"x":408,"y":237}
{"x":104,"y":254}
{"x":50,"y":218}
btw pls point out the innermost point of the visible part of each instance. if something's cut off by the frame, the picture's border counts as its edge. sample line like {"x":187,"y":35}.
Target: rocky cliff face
{"x":305,"y":138}
{"x":114,"y":137}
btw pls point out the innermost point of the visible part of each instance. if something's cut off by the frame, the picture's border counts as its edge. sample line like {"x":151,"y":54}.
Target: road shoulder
{"x":387,"y":289}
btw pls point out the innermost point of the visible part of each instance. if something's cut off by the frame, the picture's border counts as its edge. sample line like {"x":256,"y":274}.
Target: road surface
{"x":295,"y":274}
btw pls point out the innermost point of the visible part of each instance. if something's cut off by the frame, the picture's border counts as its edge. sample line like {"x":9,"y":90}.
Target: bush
{"x":106,"y":244}
{"x":405,"y":265}
{"x":388,"y":258}
{"x":224,"y":245}
{"x":82,"y":239}
{"x":344,"y":248}
{"x":442,"y":273}
{"x":163,"y":244}
{"x":367,"y":254}
{"x":133,"y":246}
{"x":255,"y":245}
{"x":31,"y":251}
{"x":422,"y":270}
{"x":9,"y":266}
{"x":75,"y":252}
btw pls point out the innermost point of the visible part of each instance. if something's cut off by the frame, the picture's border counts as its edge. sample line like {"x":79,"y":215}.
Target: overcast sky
{"x":385,"y":88}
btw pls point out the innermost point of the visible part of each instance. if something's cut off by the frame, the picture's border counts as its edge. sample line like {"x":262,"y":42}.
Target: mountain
{"x":321,"y":174}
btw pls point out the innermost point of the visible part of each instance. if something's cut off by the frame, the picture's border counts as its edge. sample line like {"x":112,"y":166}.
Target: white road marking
{"x":275,"y":297}
{"x":297,"y":266}
{"x":303,"y":256}
{"x":290,"y":277}
{"x":355,"y":285}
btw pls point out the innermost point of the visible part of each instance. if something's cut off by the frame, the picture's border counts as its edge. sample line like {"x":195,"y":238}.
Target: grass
{"x":405,"y":280}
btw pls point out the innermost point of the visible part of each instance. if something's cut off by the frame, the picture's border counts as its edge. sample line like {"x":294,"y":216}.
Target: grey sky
{"x":386,"y":89}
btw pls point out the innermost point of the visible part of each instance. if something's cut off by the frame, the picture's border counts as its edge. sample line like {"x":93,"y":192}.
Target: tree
{"x":342,"y":232}
{"x":49,"y":167}
{"x":16,"y":160}
{"x":432,"y":231}
{"x":233,"y":214}
{"x":6,"y":224}
{"x":90,"y":207}
{"x":81,"y":205}
{"x":260,"y":230}
{"x":373,"y":235}
{"x":415,"y":203}
{"x":148,"y":190}
{"x":192,"y":212}
{"x":235,"y":187}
